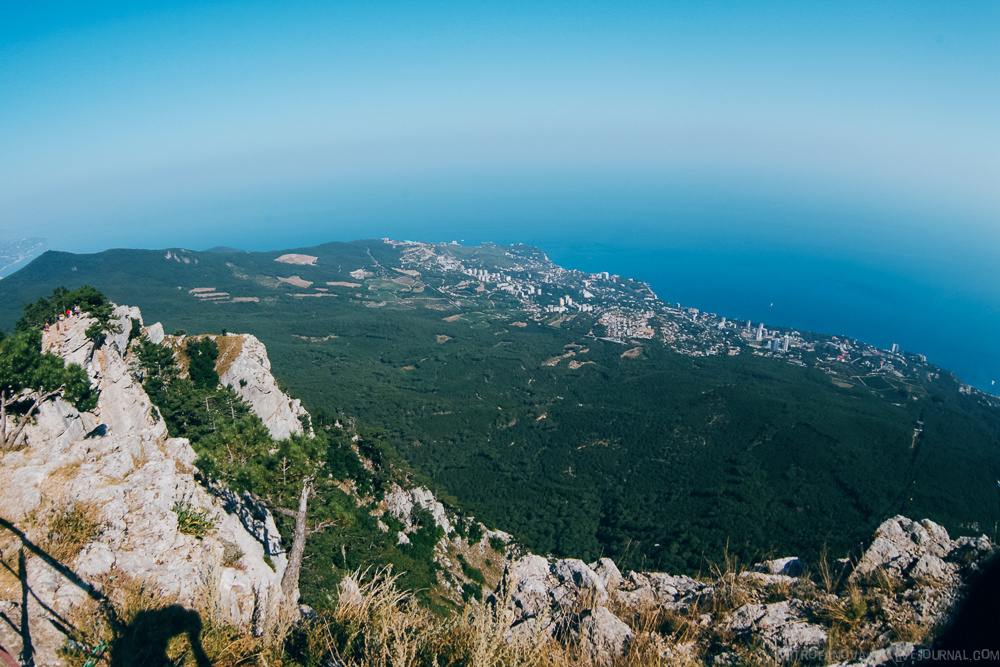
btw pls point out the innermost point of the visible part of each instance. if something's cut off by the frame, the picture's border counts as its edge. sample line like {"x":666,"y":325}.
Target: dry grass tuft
{"x":70,"y":529}
{"x":732,"y":589}
{"x":910,"y":631}
{"x":67,"y":471}
{"x":846,"y":612}
{"x":10,"y":584}
{"x":829,"y":580}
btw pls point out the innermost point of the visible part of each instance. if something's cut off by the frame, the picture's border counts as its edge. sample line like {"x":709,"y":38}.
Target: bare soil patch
{"x":295,"y":280}
{"x":304,"y":260}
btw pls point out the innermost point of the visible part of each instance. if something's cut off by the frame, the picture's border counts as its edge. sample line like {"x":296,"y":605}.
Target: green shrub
{"x":201,"y":368}
{"x":95,"y":332}
{"x":135,"y":331}
{"x":497,"y":544}
{"x":473,"y":573}
{"x":47,"y":310}
{"x":192,"y":520}
{"x":470,"y":591}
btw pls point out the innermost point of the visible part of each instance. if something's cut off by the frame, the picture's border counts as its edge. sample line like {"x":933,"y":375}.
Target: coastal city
{"x":625,"y":310}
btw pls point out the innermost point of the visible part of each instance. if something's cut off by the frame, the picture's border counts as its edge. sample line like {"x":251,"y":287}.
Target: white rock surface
{"x":919,"y":550}
{"x":790,"y":566}
{"x":399,"y":503}
{"x":248,"y":372}
{"x":603,"y":636}
{"x":133,"y":476}
{"x":154,"y":333}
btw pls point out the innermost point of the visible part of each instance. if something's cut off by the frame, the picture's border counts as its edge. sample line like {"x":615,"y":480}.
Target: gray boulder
{"x":790,"y":566}
{"x":603,"y":636}
{"x":608,"y":573}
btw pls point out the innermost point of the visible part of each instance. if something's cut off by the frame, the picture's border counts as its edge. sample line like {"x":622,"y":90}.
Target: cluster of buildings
{"x":628,"y":309}
{"x":621,"y":325}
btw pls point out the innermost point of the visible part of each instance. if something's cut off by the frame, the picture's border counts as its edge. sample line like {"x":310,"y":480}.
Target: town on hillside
{"x":522,"y":277}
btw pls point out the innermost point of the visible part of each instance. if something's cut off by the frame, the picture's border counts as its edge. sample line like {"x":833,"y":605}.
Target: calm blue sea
{"x":956,"y":330}
{"x":932,"y":287}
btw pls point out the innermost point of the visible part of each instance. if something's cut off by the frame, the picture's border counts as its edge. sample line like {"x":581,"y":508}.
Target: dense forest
{"x":656,"y":459}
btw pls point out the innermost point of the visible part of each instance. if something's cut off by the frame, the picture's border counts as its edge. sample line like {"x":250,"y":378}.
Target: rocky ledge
{"x":896,"y":597}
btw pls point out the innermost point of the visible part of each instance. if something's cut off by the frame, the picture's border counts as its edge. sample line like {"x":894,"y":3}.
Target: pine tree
{"x":28,"y":377}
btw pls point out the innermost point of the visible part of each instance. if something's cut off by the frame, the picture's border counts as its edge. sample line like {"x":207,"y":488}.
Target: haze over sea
{"x":827,"y":166}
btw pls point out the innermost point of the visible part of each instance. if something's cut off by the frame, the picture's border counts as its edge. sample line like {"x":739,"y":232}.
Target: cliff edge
{"x":105,"y":502}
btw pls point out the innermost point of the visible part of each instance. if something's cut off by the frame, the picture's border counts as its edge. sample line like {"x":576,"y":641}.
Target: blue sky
{"x":323,"y":120}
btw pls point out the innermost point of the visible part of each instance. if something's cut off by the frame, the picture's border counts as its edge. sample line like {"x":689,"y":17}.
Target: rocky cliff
{"x":880,"y":609}
{"x":244,"y":366}
{"x":96,"y":500}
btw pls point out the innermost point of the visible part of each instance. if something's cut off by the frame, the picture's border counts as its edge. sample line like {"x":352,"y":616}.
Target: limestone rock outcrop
{"x":920,"y":550}
{"x":244,"y":366}
{"x":108,"y":496}
{"x":906,"y":582}
{"x":400,"y":503}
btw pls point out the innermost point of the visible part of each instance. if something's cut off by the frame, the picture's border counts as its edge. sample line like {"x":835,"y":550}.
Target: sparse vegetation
{"x":232,"y":554}
{"x":192,"y":520}
{"x":28,"y":377}
{"x":70,"y":529}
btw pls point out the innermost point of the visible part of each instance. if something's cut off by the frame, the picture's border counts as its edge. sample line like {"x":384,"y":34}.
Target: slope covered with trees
{"x":654,"y":458}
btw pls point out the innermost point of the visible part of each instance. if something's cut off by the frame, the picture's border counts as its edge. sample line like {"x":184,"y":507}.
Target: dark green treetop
{"x":28,"y":377}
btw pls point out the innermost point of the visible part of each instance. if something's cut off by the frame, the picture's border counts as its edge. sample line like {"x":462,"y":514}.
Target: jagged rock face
{"x":920,"y":550}
{"x":244,"y":366}
{"x":603,"y":636}
{"x":68,"y":340}
{"x":588,"y":603}
{"x":783,"y":626}
{"x":400,"y":502}
{"x":118,"y":466}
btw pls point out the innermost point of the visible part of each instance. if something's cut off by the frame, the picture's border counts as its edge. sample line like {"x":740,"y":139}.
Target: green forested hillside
{"x":654,"y":458}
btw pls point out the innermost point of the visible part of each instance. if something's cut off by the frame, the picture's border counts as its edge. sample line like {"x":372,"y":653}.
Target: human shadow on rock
{"x":144,"y":642}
